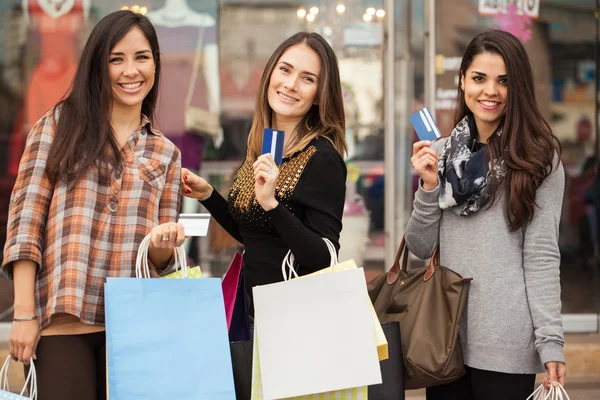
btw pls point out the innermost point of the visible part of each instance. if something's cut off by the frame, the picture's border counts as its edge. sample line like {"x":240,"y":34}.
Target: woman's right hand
{"x":194,"y":186}
{"x":24,"y":338}
{"x":425,"y":162}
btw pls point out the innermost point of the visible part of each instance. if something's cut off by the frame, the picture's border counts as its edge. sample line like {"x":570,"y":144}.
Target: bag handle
{"x":196,"y":68}
{"x":30,"y":382}
{"x":394,"y":272}
{"x":198,"y":50}
{"x":555,"y":393}
{"x":287,"y":266}
{"x":142,"y":269}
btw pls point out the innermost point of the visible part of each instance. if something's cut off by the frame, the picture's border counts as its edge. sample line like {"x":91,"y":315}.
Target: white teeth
{"x":131,"y":85}
{"x":489,"y":103}
{"x":287,"y":97}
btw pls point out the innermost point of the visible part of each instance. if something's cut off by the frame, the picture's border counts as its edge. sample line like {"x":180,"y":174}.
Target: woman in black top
{"x":272,"y":209}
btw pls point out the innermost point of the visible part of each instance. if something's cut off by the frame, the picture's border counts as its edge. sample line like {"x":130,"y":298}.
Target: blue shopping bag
{"x":167,"y":339}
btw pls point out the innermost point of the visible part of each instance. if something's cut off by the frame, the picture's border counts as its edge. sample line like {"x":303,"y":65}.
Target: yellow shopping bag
{"x":192,"y":273}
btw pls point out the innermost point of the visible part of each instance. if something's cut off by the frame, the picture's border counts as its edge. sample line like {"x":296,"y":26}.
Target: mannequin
{"x":176,"y":13}
{"x":179,"y":29}
{"x":185,"y":34}
{"x":58,"y":24}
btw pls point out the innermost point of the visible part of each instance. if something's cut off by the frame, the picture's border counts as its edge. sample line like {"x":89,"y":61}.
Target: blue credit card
{"x":424,"y":124}
{"x":273,"y":144}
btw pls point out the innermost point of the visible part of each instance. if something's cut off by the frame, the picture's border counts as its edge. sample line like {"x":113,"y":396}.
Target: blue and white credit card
{"x":273,"y":144}
{"x":424,"y":124}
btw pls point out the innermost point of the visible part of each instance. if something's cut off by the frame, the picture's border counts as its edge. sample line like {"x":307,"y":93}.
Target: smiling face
{"x":294,"y":83}
{"x":485,"y":89}
{"x":131,"y":68}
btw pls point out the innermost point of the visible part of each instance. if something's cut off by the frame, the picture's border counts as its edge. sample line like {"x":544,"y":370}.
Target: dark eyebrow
{"x":483,"y":74}
{"x":137,"y":52}
{"x":304,"y":72}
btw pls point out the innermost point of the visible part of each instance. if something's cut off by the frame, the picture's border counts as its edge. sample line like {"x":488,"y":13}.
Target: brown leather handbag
{"x":428,"y":303}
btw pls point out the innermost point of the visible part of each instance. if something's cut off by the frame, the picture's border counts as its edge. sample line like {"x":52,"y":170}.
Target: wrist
{"x":207,"y":195}
{"x":270,"y":205}
{"x":25,"y":319}
{"x":24,"y":311}
{"x":429,"y":186}
{"x":24,"y":308}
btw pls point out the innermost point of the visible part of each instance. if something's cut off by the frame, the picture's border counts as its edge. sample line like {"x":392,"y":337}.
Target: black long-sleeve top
{"x":310,"y":189}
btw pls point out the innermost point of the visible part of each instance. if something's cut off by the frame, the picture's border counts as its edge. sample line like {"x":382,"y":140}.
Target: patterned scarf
{"x":465,"y":179}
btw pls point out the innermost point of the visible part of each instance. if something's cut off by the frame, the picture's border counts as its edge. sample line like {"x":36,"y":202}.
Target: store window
{"x":213,"y":54}
{"x":559,"y":37}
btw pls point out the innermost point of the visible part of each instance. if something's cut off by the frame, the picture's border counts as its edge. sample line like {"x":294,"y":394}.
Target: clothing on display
{"x":186,"y":41}
{"x":58,"y":26}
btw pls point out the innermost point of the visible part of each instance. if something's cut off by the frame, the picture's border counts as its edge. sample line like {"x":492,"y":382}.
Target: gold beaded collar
{"x":242,"y":196}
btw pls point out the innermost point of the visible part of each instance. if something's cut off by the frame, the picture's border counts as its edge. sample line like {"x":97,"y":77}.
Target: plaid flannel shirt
{"x":81,"y":235}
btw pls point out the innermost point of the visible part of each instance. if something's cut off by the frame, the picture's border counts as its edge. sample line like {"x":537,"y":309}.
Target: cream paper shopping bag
{"x":380,"y":339}
{"x":316,"y":335}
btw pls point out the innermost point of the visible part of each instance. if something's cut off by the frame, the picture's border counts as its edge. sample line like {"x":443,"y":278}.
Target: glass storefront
{"x":560,"y":38}
{"x":381,"y":49}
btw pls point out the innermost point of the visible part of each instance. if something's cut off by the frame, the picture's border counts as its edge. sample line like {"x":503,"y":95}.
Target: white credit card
{"x":195,"y":224}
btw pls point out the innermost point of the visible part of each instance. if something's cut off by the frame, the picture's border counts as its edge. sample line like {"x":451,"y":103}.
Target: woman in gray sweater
{"x":490,"y":197}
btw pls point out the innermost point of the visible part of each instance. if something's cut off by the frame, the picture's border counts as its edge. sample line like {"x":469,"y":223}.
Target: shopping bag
{"x":314,"y":335}
{"x":380,"y":337}
{"x":30,"y":386}
{"x":166,"y":338}
{"x":192,"y":272}
{"x":241,"y":359}
{"x":356,"y":393}
{"x":555,"y":393}
{"x":230,"y":285}
{"x":239,"y":330}
{"x":392,"y":369}
{"x":238,"y":323}
{"x":428,"y":303}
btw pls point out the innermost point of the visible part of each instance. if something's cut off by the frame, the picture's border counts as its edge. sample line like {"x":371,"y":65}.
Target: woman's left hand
{"x":167,"y":236}
{"x":265,"y":176}
{"x":557,"y":372}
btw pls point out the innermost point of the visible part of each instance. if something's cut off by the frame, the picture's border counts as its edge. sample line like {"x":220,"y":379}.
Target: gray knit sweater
{"x":512,"y":321}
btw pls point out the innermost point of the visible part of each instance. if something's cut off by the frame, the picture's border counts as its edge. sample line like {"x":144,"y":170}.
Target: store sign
{"x":530,"y":8}
{"x":445,"y":64}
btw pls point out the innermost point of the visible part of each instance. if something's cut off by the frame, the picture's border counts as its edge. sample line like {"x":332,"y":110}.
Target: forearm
{"x":218,"y":208}
{"x":422,"y":230}
{"x":24,"y":272}
{"x":307,"y":244}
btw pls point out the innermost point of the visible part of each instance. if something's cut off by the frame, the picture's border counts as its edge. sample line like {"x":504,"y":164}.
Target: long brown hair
{"x":323,"y":119}
{"x":83,"y":129}
{"x":527,"y":145}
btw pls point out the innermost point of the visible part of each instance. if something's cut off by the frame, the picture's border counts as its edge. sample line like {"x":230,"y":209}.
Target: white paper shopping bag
{"x":316,"y":335}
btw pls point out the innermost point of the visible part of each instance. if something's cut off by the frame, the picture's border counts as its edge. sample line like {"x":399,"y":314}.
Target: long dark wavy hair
{"x":83,"y":129}
{"x":527,"y":144}
{"x":326,"y":118}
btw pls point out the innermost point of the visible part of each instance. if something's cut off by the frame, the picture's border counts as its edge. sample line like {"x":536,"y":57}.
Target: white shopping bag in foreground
{"x":316,"y":335}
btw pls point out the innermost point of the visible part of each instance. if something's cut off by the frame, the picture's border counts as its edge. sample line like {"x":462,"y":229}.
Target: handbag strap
{"x":287,"y":266}
{"x":195,"y":68}
{"x":142,"y":266}
{"x":394,"y":272}
{"x":30,"y":382}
